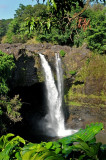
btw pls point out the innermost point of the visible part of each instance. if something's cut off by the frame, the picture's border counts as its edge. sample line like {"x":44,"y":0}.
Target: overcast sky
{"x":8,"y":7}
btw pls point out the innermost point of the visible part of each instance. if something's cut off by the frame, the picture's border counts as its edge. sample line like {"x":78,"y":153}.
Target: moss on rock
{"x":88,"y":87}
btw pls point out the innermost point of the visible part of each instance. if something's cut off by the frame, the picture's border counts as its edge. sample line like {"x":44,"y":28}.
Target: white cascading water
{"x":59,"y":109}
{"x":54,"y":120}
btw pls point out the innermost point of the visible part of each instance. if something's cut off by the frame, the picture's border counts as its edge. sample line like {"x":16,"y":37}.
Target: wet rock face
{"x":28,"y":68}
{"x":85,"y":81}
{"x":25,"y":73}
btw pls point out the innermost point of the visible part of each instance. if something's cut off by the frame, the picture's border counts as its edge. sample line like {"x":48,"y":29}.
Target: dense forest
{"x":71,"y":23}
{"x":71,"y":26}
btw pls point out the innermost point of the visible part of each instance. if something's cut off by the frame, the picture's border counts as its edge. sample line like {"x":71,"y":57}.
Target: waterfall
{"x":53,"y":122}
{"x":59,"y":107}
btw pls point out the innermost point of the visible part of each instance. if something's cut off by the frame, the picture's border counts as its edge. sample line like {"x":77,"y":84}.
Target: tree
{"x":9,"y":108}
{"x":4,"y":27}
{"x":60,"y":10}
{"x":96,"y":34}
{"x":22,"y":26}
{"x":59,"y":20}
{"x":6,"y":66}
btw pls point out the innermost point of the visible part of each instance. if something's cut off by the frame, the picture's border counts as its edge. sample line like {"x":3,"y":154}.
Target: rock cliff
{"x":84,"y":78}
{"x":84,"y":72}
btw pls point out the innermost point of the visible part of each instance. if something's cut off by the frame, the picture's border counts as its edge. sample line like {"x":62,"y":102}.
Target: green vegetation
{"x":96,"y":34}
{"x":79,"y":146}
{"x":6,"y":66}
{"x":4,"y":27}
{"x":9,"y":108}
{"x":20,"y":30}
{"x":71,"y":23}
{"x":72,"y":103}
{"x":62,"y":53}
{"x":87,"y":88}
{"x":73,"y":72}
{"x":94,"y":67}
{"x":66,"y":23}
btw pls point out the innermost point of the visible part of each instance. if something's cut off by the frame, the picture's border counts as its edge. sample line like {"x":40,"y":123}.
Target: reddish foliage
{"x":83,"y":23}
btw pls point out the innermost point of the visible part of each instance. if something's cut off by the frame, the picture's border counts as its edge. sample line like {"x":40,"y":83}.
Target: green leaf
{"x":56,"y":157}
{"x":18,"y":156}
{"x":28,"y":155}
{"x":81,"y":157}
{"x":103,"y":147}
{"x":54,"y":4}
{"x":48,"y":24}
{"x":48,"y":155}
{"x":58,"y":150}
{"x":4,"y":155}
{"x":29,"y":146}
{"x":4,"y":140}
{"x":56,"y":145}
{"x":67,"y":150}
{"x":48,"y":145}
{"x":85,"y":135}
{"x":82,"y":146}
{"x":19,"y":139}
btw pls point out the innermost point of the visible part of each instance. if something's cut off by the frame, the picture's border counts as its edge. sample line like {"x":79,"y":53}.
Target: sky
{"x":8,"y":7}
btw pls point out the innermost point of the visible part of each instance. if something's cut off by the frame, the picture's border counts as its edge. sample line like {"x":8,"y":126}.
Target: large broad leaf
{"x":40,"y":153}
{"x":31,"y":151}
{"x":29,"y":146}
{"x":28,"y":155}
{"x":54,"y":158}
{"x":85,"y":135}
{"x":19,"y":139}
{"x":4,"y":155}
{"x":8,"y":146}
{"x":4,"y":140}
{"x":18,"y":156}
{"x":49,"y":145}
{"x":48,"y":155}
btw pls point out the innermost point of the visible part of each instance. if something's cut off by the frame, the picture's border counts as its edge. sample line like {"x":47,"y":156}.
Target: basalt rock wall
{"x":84,"y":82}
{"x":84,"y":72}
{"x":28,"y":67}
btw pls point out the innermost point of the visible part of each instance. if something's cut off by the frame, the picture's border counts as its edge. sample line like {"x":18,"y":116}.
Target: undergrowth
{"x":79,"y":146}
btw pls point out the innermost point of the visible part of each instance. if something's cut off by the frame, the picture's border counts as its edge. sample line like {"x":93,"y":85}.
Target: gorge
{"x":84,"y":81}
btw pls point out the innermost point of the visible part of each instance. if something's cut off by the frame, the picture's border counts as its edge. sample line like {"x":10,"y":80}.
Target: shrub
{"x":96,"y":35}
{"x":62,"y":53}
{"x":79,"y":146}
{"x":6,"y":66}
{"x":73,"y":72}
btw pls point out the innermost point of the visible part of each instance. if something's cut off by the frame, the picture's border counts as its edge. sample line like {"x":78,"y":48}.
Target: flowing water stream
{"x":53,"y":122}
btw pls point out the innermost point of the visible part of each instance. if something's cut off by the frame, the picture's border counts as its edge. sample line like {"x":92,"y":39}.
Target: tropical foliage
{"x":96,"y":34}
{"x":4,"y":27}
{"x":9,"y":108}
{"x":79,"y":146}
{"x":60,"y":22}
{"x":21,"y":27}
{"x":6,"y":66}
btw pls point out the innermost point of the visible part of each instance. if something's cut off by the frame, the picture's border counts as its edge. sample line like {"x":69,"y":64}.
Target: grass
{"x":72,"y":95}
{"x":72,"y":103}
{"x":75,"y":98}
{"x":95,"y":68}
{"x":92,"y":73}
